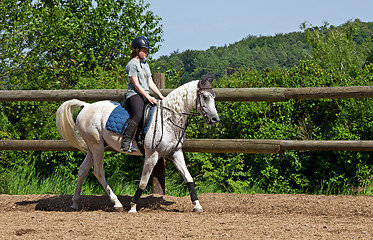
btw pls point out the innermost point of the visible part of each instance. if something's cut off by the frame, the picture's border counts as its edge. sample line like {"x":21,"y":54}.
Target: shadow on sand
{"x":95,"y":203}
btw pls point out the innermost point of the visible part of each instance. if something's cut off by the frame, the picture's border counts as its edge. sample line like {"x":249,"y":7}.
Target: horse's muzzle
{"x":212,"y":120}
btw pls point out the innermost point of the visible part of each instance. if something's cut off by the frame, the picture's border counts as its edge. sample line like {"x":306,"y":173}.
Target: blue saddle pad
{"x":118,"y":118}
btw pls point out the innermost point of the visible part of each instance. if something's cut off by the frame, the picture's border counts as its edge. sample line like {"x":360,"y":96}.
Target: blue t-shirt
{"x":141,"y":70}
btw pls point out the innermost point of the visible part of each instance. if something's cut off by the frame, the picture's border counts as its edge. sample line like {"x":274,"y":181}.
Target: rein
{"x":200,"y":88}
{"x":198,"y":100}
{"x":183,"y":128}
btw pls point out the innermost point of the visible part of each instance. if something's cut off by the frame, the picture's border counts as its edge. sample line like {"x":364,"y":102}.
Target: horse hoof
{"x":198,"y":210}
{"x":133,"y":208}
{"x":118,"y":209}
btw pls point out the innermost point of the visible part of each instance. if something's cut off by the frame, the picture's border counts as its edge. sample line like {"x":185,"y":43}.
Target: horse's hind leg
{"x":98,"y":156}
{"x":83,"y":171}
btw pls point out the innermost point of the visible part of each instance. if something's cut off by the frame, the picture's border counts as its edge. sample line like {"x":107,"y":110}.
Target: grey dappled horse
{"x":163,"y":138}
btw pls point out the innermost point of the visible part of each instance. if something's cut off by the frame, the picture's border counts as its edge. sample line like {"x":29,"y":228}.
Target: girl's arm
{"x":155,"y":88}
{"x":140,"y":89}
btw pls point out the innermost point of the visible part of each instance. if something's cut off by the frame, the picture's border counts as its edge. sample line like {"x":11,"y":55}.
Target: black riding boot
{"x":127,"y":136}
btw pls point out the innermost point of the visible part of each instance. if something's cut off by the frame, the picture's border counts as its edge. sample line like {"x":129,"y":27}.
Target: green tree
{"x":334,"y":48}
{"x":54,"y":44}
{"x":66,"y":44}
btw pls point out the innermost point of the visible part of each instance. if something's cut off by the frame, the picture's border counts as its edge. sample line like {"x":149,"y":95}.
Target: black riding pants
{"x":137,"y":104}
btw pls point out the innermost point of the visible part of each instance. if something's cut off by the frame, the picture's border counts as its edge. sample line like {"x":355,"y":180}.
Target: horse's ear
{"x":208,"y":77}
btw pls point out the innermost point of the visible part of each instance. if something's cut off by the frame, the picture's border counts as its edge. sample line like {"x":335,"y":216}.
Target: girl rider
{"x":139,"y":82}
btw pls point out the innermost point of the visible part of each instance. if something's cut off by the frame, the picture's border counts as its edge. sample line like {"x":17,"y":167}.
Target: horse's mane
{"x":182,"y":99}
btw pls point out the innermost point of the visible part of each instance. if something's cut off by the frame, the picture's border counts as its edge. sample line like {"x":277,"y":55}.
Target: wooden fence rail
{"x":211,"y":145}
{"x":222,"y":94}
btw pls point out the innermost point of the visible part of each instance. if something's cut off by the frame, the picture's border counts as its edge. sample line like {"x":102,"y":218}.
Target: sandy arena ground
{"x":225,"y":216}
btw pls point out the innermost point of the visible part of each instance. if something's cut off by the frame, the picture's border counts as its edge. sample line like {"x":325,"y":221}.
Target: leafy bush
{"x":292,"y":171}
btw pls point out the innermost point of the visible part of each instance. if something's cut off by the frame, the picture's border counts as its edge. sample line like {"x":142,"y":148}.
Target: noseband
{"x":203,"y":86}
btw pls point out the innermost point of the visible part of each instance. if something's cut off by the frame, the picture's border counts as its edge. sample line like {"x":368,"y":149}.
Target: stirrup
{"x":130,"y":149}
{"x":125,"y":147}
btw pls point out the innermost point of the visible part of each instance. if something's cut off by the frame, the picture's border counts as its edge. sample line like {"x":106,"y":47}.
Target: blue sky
{"x":200,"y":24}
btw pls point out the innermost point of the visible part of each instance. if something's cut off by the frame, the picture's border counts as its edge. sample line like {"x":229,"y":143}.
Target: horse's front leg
{"x":150,"y":161}
{"x":179,"y":162}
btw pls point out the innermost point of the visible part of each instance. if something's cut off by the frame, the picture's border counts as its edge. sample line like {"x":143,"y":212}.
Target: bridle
{"x":206,"y":88}
{"x":200,"y":90}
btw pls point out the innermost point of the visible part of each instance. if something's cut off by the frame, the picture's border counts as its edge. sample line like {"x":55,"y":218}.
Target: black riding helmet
{"x":140,"y":42}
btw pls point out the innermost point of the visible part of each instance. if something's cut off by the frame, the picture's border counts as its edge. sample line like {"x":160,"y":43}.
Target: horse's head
{"x":206,"y":100}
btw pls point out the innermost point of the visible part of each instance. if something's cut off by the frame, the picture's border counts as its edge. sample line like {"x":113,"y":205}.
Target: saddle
{"x":118,"y":119}
{"x":144,"y":125}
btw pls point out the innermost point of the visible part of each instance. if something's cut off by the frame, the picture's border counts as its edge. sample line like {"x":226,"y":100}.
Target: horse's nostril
{"x":215,"y":119}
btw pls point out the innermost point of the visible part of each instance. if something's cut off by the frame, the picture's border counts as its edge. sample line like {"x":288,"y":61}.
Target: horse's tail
{"x":66,"y":125}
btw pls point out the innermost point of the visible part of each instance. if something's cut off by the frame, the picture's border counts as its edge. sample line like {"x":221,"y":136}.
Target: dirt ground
{"x":225,"y":216}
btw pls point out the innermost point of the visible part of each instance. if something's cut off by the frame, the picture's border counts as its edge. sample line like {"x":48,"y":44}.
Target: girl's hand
{"x":153,"y":100}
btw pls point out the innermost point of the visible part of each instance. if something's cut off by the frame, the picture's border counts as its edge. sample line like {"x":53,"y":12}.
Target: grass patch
{"x":23,"y":180}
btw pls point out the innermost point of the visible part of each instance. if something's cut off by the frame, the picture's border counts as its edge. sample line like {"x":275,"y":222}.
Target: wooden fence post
{"x":158,"y":175}
{"x":159,"y":80}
